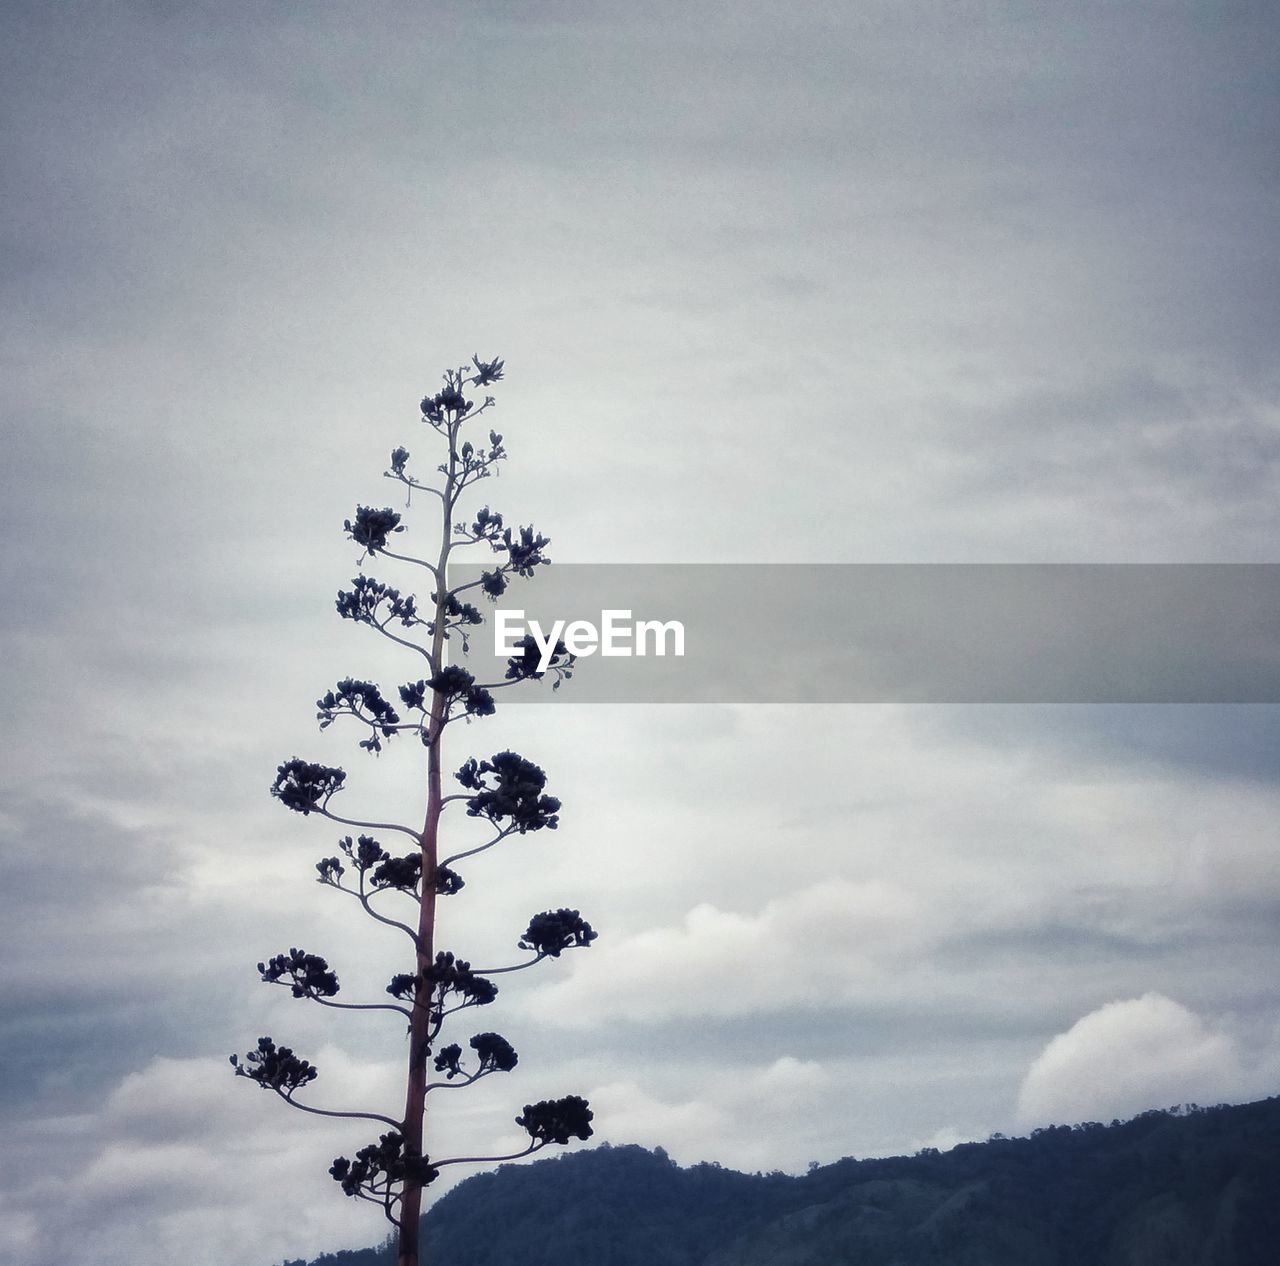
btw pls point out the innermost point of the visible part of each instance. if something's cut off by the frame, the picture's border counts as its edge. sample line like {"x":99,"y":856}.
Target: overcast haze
{"x":876,"y":282}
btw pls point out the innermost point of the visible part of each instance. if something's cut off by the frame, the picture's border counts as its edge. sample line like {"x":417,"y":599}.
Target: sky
{"x":864,"y":283}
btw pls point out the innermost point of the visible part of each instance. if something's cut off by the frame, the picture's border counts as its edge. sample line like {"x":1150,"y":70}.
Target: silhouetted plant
{"x":505,"y":792}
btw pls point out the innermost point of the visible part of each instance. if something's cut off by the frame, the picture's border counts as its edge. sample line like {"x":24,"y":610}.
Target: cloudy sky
{"x":873,"y":282}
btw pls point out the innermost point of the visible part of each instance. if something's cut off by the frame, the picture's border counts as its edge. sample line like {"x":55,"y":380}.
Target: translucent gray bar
{"x":909,"y":633}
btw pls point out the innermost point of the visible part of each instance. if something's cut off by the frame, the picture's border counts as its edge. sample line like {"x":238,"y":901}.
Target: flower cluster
{"x":274,"y":1067}
{"x":457,"y":615}
{"x":371,"y":527}
{"x":366,"y":853}
{"x":453,"y":976}
{"x":446,"y":977}
{"x":487,"y":525}
{"x":308,"y":975}
{"x":401,"y":873}
{"x":448,"y":881}
{"x":413,"y":695}
{"x":362,"y":601}
{"x":557,"y":1120}
{"x":514,"y":795}
{"x":378,"y":1168}
{"x":362,"y":700}
{"x":331,"y":870}
{"x":457,"y":685}
{"x":474,"y":463}
{"x":525,"y":554}
{"x":404,"y":985}
{"x":449,"y":401}
{"x":494,"y":1053}
{"x":303,"y":786}
{"x":527,"y":665}
{"x":553,"y":931}
{"x":487,"y":372}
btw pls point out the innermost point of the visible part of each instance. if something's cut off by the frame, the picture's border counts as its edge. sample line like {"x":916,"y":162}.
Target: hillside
{"x":1188,"y":1187}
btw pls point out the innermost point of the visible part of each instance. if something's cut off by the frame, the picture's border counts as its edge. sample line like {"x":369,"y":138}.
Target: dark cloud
{"x":105,"y":965}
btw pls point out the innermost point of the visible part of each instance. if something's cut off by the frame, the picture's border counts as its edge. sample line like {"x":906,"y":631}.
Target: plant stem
{"x":419,"y":1038}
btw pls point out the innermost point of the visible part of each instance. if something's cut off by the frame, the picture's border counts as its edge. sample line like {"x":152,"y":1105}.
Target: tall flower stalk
{"x":505,"y":794}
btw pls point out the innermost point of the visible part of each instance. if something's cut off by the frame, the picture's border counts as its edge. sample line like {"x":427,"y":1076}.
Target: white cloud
{"x":1131,"y":1055}
{"x":633,"y":1115}
{"x":828,"y":940}
{"x":946,"y":1138}
{"x":748,"y":1117}
{"x":185,"y":1162}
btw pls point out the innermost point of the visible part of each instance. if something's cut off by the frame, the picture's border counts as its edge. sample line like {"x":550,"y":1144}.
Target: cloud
{"x":737,"y":1118}
{"x":830,"y":940}
{"x":946,"y":1138}
{"x":1132,"y":1055}
{"x":1018,"y":300}
{"x":184,"y":1160}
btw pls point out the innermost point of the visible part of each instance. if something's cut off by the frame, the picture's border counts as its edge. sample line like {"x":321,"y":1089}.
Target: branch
{"x":401,"y":641}
{"x":361,"y":1006}
{"x":536,"y":1146}
{"x":326,"y":1112}
{"x":443,"y":1012}
{"x":407,"y":558}
{"x":453,"y":1085}
{"x":412,"y":484}
{"x":324,"y":811}
{"x":471,"y":852}
{"x":363,"y":897}
{"x":383,"y":1202}
{"x":471,"y":584}
{"x":510,"y":681}
{"x":380,"y":728}
{"x":497,"y":971}
{"x":343,"y":1006}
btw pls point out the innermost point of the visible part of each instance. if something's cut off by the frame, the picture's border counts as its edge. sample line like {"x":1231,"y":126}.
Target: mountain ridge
{"x":1187,"y":1186}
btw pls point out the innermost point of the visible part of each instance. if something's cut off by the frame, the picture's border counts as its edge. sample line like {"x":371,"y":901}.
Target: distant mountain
{"x":1188,"y":1187}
